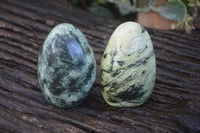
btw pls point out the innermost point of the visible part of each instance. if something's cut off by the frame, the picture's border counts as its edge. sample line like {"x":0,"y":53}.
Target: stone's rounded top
{"x":126,"y":32}
{"x":62,"y":27}
{"x":129,"y":27}
{"x":67,"y":31}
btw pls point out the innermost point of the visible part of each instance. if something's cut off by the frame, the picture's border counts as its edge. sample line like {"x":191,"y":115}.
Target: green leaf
{"x":191,"y":4}
{"x":175,"y":10}
{"x":101,"y":11}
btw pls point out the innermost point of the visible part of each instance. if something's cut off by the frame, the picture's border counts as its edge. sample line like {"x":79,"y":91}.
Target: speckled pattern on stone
{"x":66,"y":66}
{"x":128,"y":67}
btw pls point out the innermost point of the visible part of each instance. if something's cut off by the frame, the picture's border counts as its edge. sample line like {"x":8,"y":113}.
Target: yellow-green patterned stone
{"x":128,"y":66}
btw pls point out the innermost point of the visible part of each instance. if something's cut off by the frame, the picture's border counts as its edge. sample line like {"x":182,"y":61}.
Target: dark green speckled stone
{"x":66,"y":66}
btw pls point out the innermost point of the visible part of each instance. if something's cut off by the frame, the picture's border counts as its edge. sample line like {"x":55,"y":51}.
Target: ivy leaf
{"x":175,"y":10}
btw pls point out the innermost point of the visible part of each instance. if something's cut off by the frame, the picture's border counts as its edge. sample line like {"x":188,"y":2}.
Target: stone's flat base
{"x":125,"y":104}
{"x":66,"y":66}
{"x":128,"y":67}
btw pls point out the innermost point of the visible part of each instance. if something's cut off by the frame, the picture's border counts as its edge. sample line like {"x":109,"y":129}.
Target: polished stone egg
{"x":128,"y":66}
{"x":66,"y":66}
